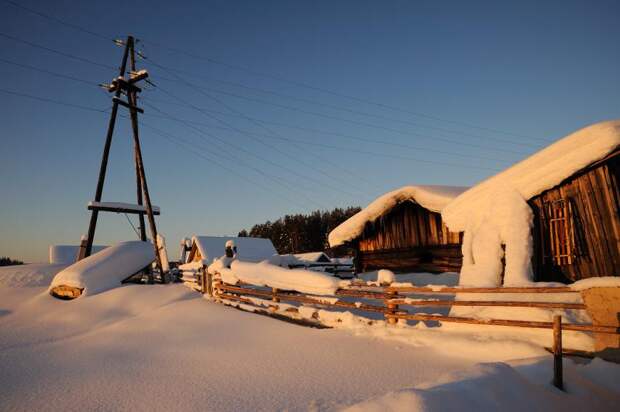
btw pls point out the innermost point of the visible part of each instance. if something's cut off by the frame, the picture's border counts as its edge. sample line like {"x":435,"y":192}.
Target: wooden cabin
{"x":576,"y":228}
{"x":571,"y":230}
{"x":403,"y":231}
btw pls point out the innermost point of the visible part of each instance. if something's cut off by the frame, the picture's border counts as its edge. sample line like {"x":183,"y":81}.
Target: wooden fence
{"x":392,"y":304}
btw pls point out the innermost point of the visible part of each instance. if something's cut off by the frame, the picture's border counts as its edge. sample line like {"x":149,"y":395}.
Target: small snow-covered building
{"x":312,"y":257}
{"x":403,"y":231}
{"x":206,"y":249}
{"x":554,"y":216}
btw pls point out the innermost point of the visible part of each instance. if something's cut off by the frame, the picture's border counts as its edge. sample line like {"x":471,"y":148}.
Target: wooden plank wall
{"x":594,"y":198}
{"x":407,"y":225}
{"x":409,"y":238}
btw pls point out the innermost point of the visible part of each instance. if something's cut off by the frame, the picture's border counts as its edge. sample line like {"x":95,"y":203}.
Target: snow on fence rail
{"x":262,"y":297}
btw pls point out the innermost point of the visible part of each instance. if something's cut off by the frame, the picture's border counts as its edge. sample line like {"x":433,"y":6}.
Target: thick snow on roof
{"x":311,"y":257}
{"x":106,"y":269}
{"x":539,"y":172}
{"x":266,"y":274}
{"x":249,"y":249}
{"x":433,"y":198}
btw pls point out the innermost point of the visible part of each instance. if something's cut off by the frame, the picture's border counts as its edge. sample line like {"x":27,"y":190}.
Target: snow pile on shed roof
{"x":433,"y":198}
{"x":266,"y":274}
{"x":312,"y":257}
{"x":539,"y":172}
{"x":250,"y":249}
{"x":106,"y":269}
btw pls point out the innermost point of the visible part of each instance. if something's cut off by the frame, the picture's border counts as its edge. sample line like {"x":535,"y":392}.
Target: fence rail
{"x":393,"y":300}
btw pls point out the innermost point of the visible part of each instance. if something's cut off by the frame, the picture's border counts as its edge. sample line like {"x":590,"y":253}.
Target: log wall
{"x":591,"y":227}
{"x":409,"y":238}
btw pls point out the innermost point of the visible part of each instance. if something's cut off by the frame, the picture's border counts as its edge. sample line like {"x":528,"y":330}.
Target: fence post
{"x":274,"y":298}
{"x":203,"y":280}
{"x":391,"y":308}
{"x":209,"y":277}
{"x":558,"y":379}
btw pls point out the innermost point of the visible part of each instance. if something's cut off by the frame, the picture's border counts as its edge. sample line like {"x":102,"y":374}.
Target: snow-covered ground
{"x":157,"y":347}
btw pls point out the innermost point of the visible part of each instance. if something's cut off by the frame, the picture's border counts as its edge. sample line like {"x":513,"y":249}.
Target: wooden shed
{"x":403,"y":231}
{"x":570,"y":228}
{"x":249,"y":249}
{"x":576,"y":228}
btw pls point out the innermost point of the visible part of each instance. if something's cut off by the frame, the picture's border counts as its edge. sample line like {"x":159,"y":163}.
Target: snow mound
{"x":514,"y":386}
{"x":266,"y":274}
{"x":496,"y":212}
{"x":602,"y":282}
{"x":433,"y":198}
{"x":105,"y":270}
{"x":385,"y":276}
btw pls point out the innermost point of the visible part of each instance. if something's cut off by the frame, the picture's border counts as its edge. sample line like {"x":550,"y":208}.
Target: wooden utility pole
{"x":127,"y":86}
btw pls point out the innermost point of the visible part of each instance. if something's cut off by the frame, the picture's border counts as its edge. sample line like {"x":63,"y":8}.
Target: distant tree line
{"x":7,"y":261}
{"x":301,"y":233}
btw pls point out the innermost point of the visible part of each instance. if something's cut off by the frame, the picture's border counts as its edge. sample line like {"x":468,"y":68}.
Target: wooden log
{"x":65,"y":292}
{"x":303,"y":299}
{"x":127,"y":105}
{"x":449,"y":303}
{"x":558,"y":379}
{"x":104,"y":162}
{"x":454,"y":290}
{"x":506,"y":322}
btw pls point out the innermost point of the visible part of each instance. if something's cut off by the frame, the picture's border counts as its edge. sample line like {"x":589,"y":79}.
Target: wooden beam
{"x":104,"y":208}
{"x":104,"y":162}
{"x":127,"y":105}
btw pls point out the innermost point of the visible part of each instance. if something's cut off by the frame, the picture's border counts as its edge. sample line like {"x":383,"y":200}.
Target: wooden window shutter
{"x":558,"y":239}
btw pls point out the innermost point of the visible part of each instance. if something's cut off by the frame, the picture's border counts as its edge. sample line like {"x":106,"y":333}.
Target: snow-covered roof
{"x":249,"y":249}
{"x":539,"y":172}
{"x":106,"y":269}
{"x":312,"y":257}
{"x":433,"y":198}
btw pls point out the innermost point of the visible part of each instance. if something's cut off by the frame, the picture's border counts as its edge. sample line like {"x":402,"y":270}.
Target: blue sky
{"x":532,"y":71}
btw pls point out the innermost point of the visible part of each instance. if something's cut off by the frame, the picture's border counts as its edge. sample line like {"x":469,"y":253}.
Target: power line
{"x":348,"y":110}
{"x":256,"y":120}
{"x":276,"y":136}
{"x":38,"y":69}
{"x":276,"y":77}
{"x":48,"y":100}
{"x":405,"y":133}
{"x":189,"y":146}
{"x":275,"y":148}
{"x":348,"y":136}
{"x":293,"y":171}
{"x":290,"y":185}
{"x":61,"y":53}
{"x":58,"y":102}
{"x":57,"y":20}
{"x":172,"y":118}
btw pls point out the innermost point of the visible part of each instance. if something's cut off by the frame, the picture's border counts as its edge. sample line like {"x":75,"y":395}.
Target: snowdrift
{"x":103,"y":270}
{"x":266,"y":274}
{"x":513,"y":386}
